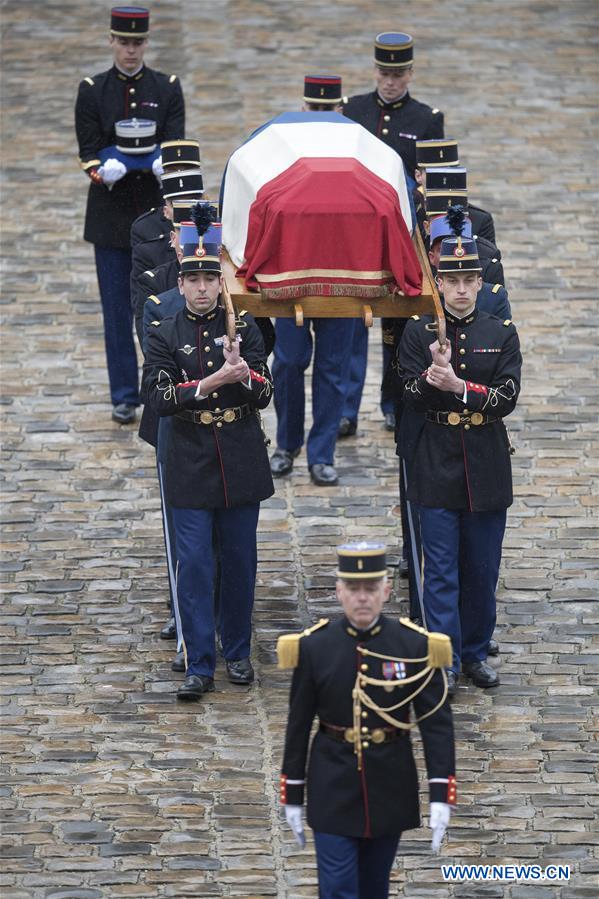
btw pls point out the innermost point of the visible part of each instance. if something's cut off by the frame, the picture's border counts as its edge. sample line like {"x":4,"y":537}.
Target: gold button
{"x":462,"y":351}
{"x":364,"y":730}
{"x":131,"y":90}
{"x":206,"y":349}
{"x":217,"y":409}
{"x":466,"y":427}
{"x":365,"y":744}
{"x":219,"y":424}
{"x":466,"y":411}
{"x":206,"y":334}
{"x":462,"y":337}
{"x":134,"y":106}
{"x":210,"y":364}
{"x":385,"y":131}
{"x":387,"y":118}
{"x":462,"y":366}
{"x":364,"y":714}
{"x":215,"y":395}
{"x":364,"y":667}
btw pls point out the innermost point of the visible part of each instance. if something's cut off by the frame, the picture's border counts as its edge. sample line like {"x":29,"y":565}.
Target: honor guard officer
{"x":442,"y":155}
{"x":491,"y":298}
{"x":322,"y":93}
{"x":398,"y":120}
{"x":117,"y":196}
{"x":217,"y":468}
{"x":460,"y":471}
{"x":363,"y":675}
{"x":150,"y":233}
{"x":329,"y":338}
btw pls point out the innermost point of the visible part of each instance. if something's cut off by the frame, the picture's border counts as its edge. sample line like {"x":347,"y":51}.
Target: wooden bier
{"x":396,"y":306}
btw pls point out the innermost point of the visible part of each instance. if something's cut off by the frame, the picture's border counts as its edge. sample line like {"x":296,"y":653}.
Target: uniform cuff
{"x":443,"y":789}
{"x":291,"y":792}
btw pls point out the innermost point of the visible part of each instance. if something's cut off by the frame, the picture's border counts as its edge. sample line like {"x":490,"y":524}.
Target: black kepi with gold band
{"x":439,"y":152}
{"x":458,"y":254}
{"x":176,"y":153}
{"x":323,"y":89}
{"x":361,"y":561}
{"x":179,"y":184}
{"x":393,"y":50}
{"x":129,"y":21}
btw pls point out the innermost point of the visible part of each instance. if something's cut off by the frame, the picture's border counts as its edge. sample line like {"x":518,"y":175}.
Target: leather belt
{"x":457,"y":418}
{"x":374,"y":735}
{"x":205,"y":417}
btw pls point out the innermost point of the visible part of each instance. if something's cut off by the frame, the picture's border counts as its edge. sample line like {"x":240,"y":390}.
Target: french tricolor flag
{"x":315,"y":205}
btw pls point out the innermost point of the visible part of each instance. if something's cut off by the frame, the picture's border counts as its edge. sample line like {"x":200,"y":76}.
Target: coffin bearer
{"x":460,"y":471}
{"x":322,"y":93}
{"x":398,"y":120}
{"x":362,"y":674}
{"x":118,"y":195}
{"x":217,"y":468}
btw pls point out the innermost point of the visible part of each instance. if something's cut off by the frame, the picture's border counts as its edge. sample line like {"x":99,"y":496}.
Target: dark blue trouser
{"x":354,"y":868}
{"x":462,"y":554}
{"x":236,"y":536}
{"x":356,"y":376}
{"x":113,"y":266}
{"x":292,"y":354}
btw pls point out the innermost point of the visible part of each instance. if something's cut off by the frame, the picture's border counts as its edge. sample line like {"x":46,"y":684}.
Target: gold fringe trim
{"x":297,"y":291}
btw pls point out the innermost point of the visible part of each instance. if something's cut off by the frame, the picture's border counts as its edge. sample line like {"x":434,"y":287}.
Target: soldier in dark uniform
{"x":460,"y":472}
{"x":217,"y":469}
{"x":398,"y":120}
{"x":128,"y":89}
{"x":361,"y":674}
{"x":325,"y":340}
{"x":151,"y":232}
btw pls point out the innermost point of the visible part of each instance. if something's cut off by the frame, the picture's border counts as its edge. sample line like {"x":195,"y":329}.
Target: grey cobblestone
{"x":109,"y":789}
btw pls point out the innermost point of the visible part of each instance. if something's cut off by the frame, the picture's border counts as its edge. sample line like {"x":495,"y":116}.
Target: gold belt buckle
{"x":229,"y":415}
{"x":206,"y":417}
{"x":476,"y":418}
{"x":378,"y":735}
{"x":453,"y":418}
{"x":349,"y":734}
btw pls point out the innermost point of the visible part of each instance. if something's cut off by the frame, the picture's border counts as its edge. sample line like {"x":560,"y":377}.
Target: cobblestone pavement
{"x":109,"y":788}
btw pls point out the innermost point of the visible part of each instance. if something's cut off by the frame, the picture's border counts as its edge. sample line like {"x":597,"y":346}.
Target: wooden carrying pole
{"x":427,"y":273}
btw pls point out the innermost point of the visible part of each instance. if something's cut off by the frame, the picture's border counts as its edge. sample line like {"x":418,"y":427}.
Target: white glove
{"x":295,"y":819}
{"x":438,"y":821}
{"x":157,"y":168}
{"x":112,"y":171}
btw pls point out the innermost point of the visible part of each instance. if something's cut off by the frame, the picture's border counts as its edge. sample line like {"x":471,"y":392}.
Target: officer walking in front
{"x":216,"y":467}
{"x":460,"y":470}
{"x":362,"y":675}
{"x":116,"y":195}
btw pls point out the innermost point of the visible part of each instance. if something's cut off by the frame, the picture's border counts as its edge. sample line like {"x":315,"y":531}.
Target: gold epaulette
{"x":436,"y":111}
{"x":496,"y":288}
{"x":439,"y":645}
{"x":155,"y":324}
{"x":150,"y":273}
{"x":507,"y":322}
{"x":90,"y":81}
{"x":288,"y":645}
{"x":172,"y":79}
{"x":154,"y":299}
{"x":416,"y":318}
{"x":242,"y":313}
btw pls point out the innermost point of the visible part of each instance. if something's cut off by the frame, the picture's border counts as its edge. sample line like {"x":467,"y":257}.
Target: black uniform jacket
{"x":222,"y":464}
{"x":103,"y":100}
{"x":464,"y":466}
{"x":152,"y":225}
{"x":398,"y":124}
{"x":383,"y":797}
{"x":152,"y":282}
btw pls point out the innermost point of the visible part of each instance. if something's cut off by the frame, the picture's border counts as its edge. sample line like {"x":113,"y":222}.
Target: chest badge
{"x":187,"y":349}
{"x":393,"y":671}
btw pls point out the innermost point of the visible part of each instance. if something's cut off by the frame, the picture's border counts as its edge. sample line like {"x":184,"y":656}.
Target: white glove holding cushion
{"x":157,"y":168}
{"x":294,"y":815}
{"x":440,"y":813}
{"x":112,"y":171}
